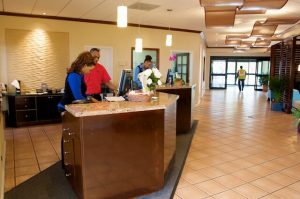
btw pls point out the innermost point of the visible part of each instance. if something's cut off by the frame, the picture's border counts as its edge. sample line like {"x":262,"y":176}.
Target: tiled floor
{"x":240,"y":150}
{"x":29,"y":151}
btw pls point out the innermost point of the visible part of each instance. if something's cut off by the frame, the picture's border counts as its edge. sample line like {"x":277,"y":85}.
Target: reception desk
{"x":185,"y":105}
{"x":119,"y":149}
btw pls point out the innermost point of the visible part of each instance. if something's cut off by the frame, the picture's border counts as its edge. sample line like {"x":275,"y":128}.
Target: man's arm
{"x":111,"y":86}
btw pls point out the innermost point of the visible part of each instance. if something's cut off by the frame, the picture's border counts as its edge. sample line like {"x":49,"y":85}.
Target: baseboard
{"x":2,"y":170}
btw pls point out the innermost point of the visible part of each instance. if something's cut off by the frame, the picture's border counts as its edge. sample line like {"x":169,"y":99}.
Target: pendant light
{"x":169,"y":40}
{"x":138,"y":45}
{"x":122,"y":17}
{"x":169,"y":36}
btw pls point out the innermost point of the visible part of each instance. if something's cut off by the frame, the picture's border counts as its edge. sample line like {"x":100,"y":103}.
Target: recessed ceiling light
{"x":44,"y":13}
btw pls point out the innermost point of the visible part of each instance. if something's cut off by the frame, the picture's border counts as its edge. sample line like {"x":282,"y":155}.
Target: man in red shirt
{"x":96,"y":77}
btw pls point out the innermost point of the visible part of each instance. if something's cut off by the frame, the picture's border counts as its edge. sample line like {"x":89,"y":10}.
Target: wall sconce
{"x":122,"y":17}
{"x":298,"y":67}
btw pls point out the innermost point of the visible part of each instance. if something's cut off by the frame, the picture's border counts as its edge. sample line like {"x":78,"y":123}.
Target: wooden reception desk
{"x":119,"y":149}
{"x":185,"y":105}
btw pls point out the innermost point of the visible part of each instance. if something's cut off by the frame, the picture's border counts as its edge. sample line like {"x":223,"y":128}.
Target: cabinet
{"x":47,"y":107}
{"x":34,"y":109}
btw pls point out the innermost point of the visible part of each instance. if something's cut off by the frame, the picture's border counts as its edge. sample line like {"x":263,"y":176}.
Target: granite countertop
{"x":32,"y":94}
{"x":177,"y":87}
{"x":104,"y":108}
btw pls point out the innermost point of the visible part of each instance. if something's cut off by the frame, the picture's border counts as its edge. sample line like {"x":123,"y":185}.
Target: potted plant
{"x":277,"y":86}
{"x":178,"y":80}
{"x":296,"y":114}
{"x":264,"y":80}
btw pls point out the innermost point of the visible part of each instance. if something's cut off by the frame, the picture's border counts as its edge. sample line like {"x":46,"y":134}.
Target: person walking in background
{"x":96,"y":77}
{"x":241,"y":75}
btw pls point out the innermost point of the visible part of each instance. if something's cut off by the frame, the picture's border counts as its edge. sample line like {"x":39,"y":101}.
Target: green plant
{"x":277,"y":86}
{"x":296,"y":114}
{"x":264,"y":80}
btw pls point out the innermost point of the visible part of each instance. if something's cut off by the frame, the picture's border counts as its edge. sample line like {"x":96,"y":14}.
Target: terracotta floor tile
{"x":191,"y":192}
{"x":211,"y":187}
{"x":270,"y":196}
{"x":46,"y":159}
{"x":281,"y":179}
{"x":183,"y":183}
{"x":229,"y":181}
{"x":9,"y":183}
{"x":193,"y":177}
{"x":211,"y":172}
{"x":295,"y":186}
{"x":250,"y":191}
{"x":46,"y":165}
{"x":25,"y":162}
{"x":20,"y":179}
{"x":229,"y":195}
{"x":176,"y":197}
{"x":246,"y":175}
{"x":292,"y":172}
{"x":267,"y":185}
{"x":28,"y":170}
{"x":287,"y":193}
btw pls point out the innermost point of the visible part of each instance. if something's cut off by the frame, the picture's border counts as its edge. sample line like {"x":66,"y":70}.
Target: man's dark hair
{"x":94,"y":49}
{"x":241,"y":67}
{"x":148,"y":58}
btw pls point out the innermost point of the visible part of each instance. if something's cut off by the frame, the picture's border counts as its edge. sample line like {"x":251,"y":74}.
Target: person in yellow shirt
{"x":241,"y":75}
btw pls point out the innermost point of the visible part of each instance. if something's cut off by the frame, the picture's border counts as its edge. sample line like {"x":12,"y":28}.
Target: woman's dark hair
{"x":84,"y":58}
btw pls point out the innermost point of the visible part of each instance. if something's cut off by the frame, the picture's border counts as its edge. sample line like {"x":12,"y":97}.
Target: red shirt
{"x":95,"y":78}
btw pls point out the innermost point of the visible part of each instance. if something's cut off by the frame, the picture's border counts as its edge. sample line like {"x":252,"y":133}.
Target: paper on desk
{"x":115,"y":99}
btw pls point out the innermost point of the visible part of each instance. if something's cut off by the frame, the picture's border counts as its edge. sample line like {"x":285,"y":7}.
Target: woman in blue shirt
{"x":75,"y":87}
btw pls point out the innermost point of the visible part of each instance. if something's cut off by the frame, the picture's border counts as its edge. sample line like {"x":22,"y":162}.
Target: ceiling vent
{"x":143,"y":6}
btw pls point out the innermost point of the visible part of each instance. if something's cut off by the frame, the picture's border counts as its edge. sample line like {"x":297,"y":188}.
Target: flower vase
{"x":154,"y":95}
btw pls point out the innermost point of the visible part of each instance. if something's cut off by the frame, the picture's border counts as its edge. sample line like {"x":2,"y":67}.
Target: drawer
{"x":26,"y":116}
{"x":23,"y":103}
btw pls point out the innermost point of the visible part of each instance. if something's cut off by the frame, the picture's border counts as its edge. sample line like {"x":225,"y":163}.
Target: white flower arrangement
{"x":150,"y":78}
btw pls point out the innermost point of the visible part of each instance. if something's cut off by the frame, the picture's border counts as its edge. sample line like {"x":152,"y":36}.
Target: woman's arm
{"x":74,"y":81}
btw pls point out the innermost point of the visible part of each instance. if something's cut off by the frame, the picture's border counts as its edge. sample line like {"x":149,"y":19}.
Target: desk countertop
{"x":186,"y":86}
{"x":105,"y":108}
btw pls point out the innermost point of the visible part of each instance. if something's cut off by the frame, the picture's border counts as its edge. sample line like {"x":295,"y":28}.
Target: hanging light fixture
{"x":169,"y":40}
{"x":138,"y":45}
{"x":169,"y":36}
{"x":122,"y":17}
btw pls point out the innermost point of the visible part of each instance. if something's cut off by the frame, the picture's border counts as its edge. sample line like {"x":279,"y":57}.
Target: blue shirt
{"x":137,"y":71}
{"x":74,"y":90}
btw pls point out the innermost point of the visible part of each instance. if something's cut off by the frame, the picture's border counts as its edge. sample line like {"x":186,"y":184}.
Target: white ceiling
{"x":186,"y":14}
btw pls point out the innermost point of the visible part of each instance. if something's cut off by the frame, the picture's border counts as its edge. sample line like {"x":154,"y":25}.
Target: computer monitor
{"x":125,"y":83}
{"x":169,"y":78}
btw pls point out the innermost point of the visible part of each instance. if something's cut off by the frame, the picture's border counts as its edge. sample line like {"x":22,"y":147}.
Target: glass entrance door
{"x":218,"y":74}
{"x":231,"y":72}
{"x":262,"y":70}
